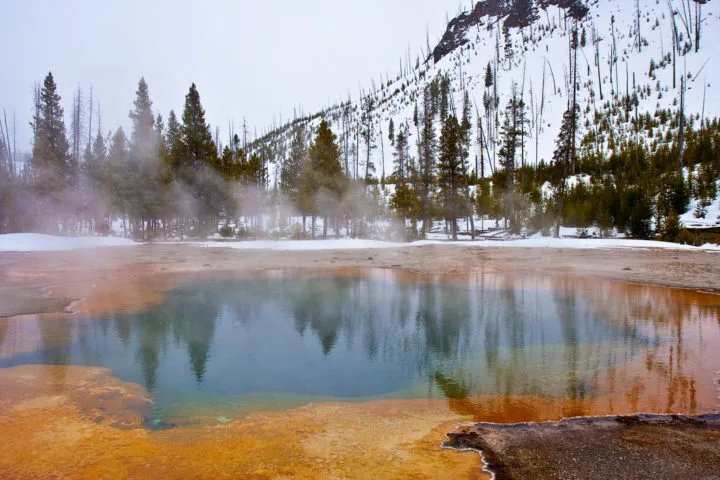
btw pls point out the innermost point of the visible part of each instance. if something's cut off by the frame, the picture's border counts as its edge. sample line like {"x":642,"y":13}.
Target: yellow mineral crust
{"x":79,"y":422}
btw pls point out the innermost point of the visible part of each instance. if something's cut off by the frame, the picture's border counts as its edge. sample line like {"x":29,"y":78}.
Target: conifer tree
{"x":52,"y":169}
{"x":117,"y":184}
{"x":198,"y":156}
{"x":402,"y":155}
{"x":323,"y":179}
{"x":488,"y":76}
{"x":426,"y":166}
{"x":483,"y":200}
{"x":292,"y":167}
{"x":368,"y":134}
{"x":562,"y":158}
{"x":451,"y":171}
{"x":147,"y":164}
{"x":508,"y":153}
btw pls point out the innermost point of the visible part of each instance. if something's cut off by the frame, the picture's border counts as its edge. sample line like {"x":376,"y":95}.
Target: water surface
{"x":223,"y":346}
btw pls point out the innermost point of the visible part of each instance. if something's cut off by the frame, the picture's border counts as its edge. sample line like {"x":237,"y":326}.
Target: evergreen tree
{"x":402,"y":154}
{"x":641,"y":213}
{"x":147,"y":165}
{"x":671,"y":228}
{"x":404,"y":201}
{"x":426,"y":166}
{"x":368,"y":134}
{"x":323,"y":181}
{"x":173,"y":141}
{"x":562,"y":158}
{"x":118,"y":181}
{"x":444,"y":97}
{"x":292,"y":166}
{"x":52,"y":170}
{"x":483,"y":200}
{"x":508,"y":153}
{"x":451,"y":171}
{"x":198,"y":158}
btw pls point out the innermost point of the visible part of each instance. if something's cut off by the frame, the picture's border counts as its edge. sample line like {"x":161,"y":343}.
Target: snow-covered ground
{"x":339,"y":244}
{"x":35,"y":242}
{"x":712,"y":215}
{"x":31,"y":242}
{"x":539,"y":242}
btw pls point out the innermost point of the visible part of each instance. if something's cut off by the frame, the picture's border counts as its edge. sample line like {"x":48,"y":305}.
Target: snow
{"x":573,"y":243}
{"x":540,"y":242}
{"x":286,"y":245}
{"x":712,"y":215}
{"x":35,"y":242}
{"x":32,"y":242}
{"x":538,"y":69}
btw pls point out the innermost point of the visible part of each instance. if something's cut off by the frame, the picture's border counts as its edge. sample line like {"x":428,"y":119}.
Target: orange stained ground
{"x":80,"y":422}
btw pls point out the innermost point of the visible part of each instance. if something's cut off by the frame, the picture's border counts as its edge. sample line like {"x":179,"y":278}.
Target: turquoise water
{"x":281,"y":339}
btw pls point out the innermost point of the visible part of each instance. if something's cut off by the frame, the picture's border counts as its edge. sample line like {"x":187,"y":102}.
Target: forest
{"x":175,"y":181}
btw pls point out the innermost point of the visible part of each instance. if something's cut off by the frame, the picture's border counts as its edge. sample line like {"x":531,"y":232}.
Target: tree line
{"x":176,"y":180}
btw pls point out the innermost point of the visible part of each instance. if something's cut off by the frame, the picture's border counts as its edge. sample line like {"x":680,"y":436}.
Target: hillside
{"x":626,"y":76}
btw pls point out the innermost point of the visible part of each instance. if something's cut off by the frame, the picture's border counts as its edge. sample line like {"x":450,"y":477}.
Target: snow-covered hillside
{"x":626,"y":75}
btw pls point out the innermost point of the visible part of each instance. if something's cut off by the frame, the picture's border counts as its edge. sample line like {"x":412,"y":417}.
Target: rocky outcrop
{"x":513,"y":14}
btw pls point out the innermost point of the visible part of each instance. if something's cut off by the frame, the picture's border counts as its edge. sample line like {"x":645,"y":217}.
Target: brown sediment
{"x":63,"y":421}
{"x":624,"y":447}
{"x":144,"y":272}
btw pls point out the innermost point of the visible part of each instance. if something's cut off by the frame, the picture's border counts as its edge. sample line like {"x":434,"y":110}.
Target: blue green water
{"x":284,"y":338}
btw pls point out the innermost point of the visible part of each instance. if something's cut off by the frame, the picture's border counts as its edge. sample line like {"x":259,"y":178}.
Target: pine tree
{"x":426,"y":161}
{"x":671,"y":227}
{"x":173,"y":142}
{"x":147,"y":165}
{"x":368,"y":134}
{"x":197,"y":140}
{"x":508,"y":153}
{"x":488,"y":76}
{"x":563,"y":158}
{"x":404,"y":201}
{"x":118,"y":180}
{"x":323,"y":181}
{"x":451,"y":171}
{"x":483,"y":200}
{"x":292,"y":166}
{"x":402,"y":155}
{"x":52,"y":169}
{"x":198,"y":157}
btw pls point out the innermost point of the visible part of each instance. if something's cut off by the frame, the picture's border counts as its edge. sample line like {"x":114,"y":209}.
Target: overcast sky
{"x":254,"y":59}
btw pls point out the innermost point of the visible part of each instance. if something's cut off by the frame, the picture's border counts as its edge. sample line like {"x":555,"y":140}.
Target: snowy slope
{"x":34,"y":242}
{"x":535,"y":61}
{"x":540,"y":63}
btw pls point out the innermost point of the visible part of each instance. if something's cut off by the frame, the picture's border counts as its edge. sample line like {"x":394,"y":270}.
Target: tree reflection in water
{"x":489,"y":343}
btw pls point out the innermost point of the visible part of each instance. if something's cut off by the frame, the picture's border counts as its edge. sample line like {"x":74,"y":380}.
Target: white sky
{"x":256,"y":59}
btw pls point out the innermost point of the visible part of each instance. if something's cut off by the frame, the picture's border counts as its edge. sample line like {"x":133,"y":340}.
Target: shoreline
{"x":43,"y":285}
{"x":149,"y":270}
{"x":635,"y":446}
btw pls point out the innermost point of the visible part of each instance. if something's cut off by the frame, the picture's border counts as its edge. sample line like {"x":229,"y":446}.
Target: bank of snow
{"x":35,"y":242}
{"x":356,"y":244}
{"x":340,"y":244}
{"x":32,"y":242}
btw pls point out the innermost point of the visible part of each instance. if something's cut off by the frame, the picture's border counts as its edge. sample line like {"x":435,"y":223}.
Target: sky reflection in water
{"x":384,"y":334}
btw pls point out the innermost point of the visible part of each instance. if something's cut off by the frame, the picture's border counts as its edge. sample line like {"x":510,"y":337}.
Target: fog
{"x":253,"y":60}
